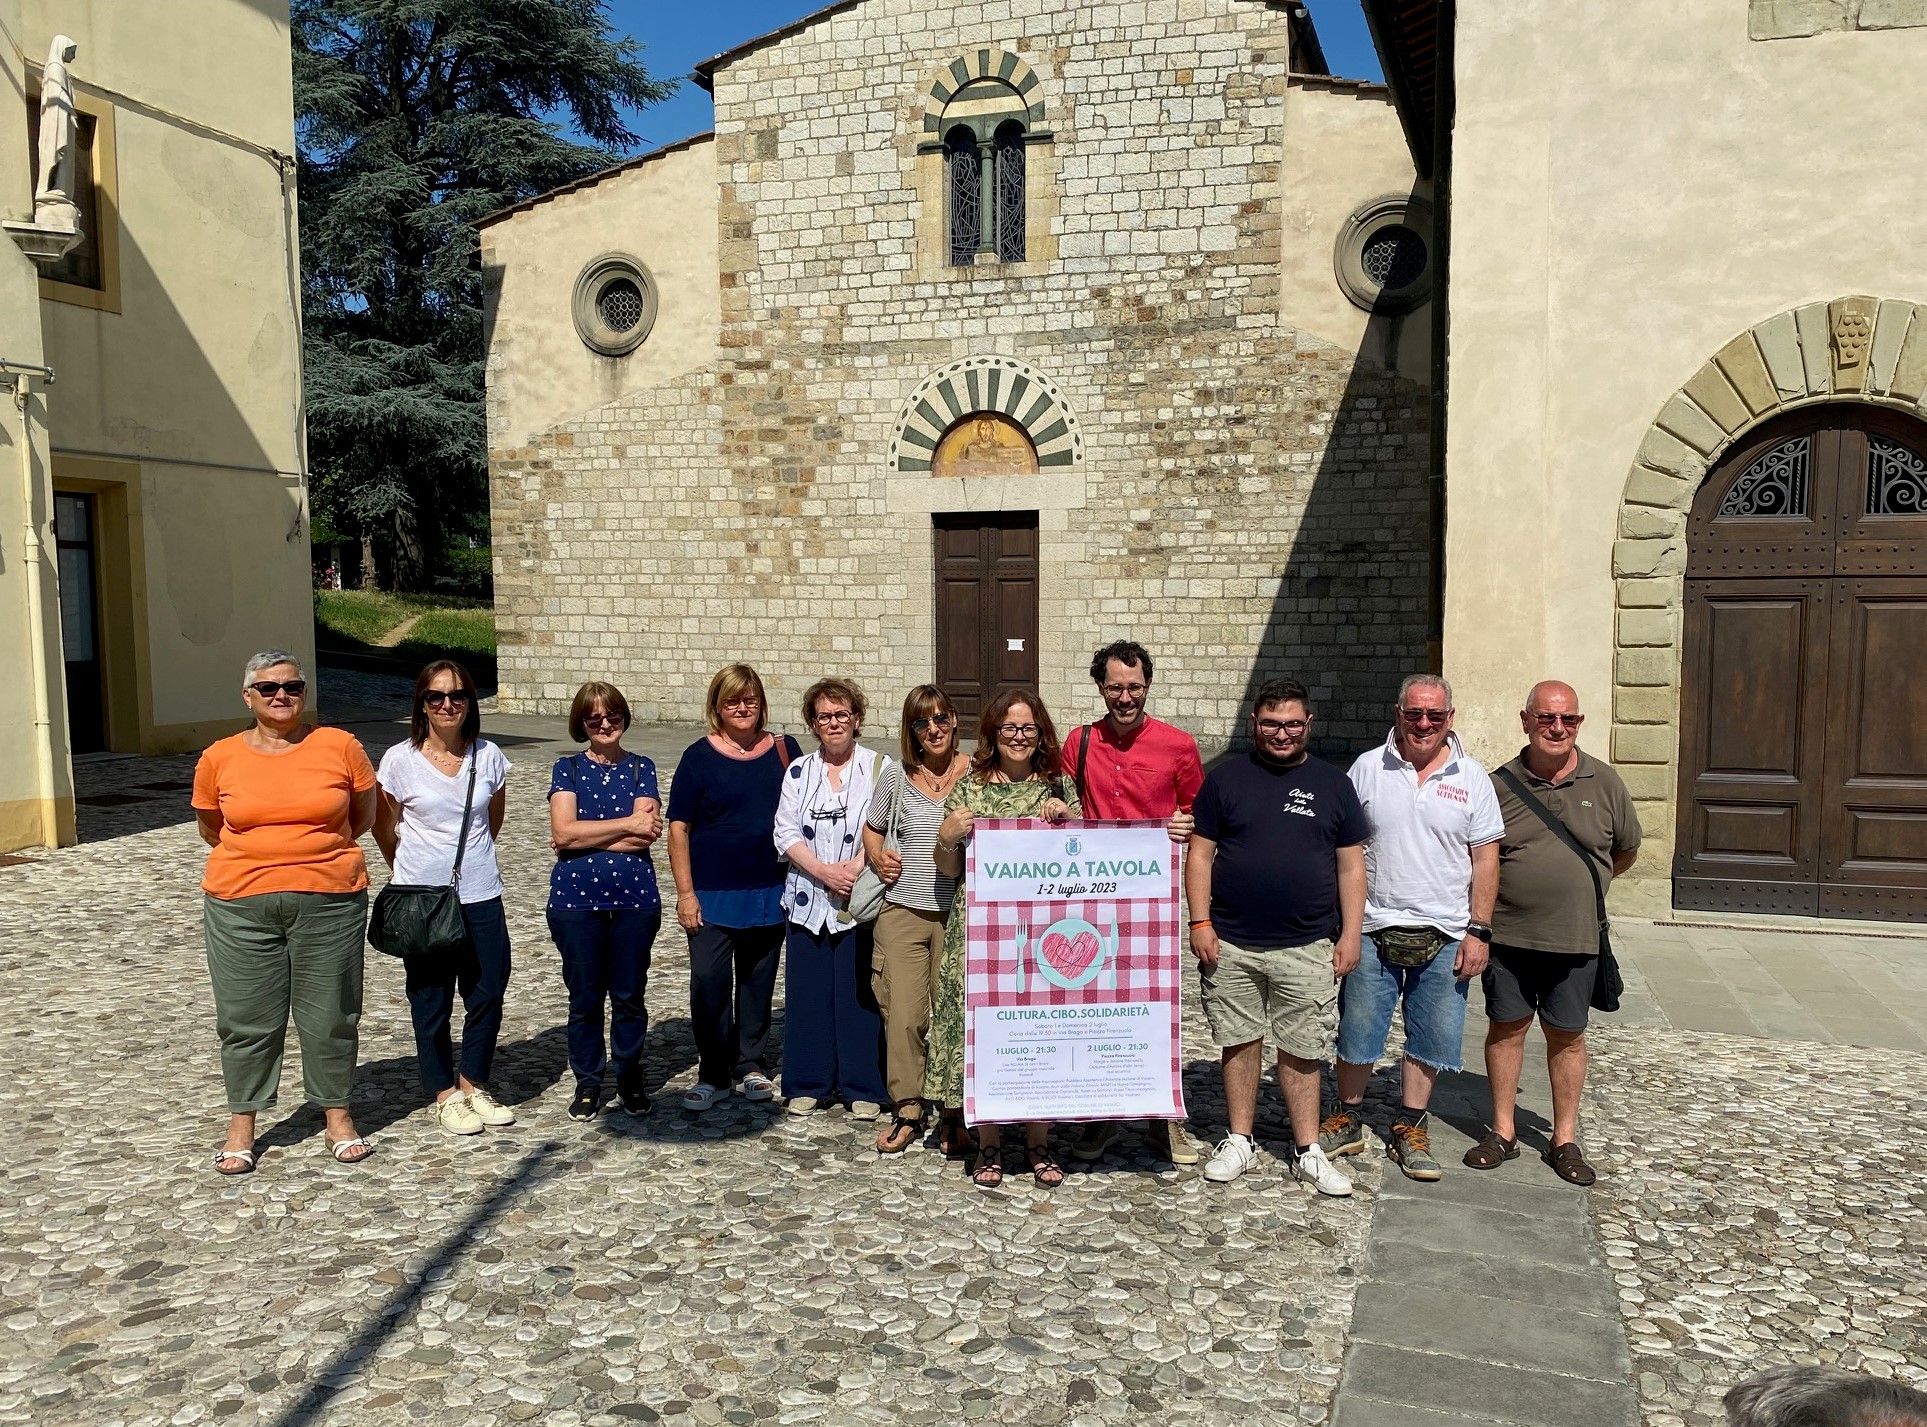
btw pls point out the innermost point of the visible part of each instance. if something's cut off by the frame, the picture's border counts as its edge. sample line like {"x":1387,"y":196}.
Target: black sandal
{"x":987,"y":1167}
{"x":1045,"y":1170}
{"x":954,"y":1138}
{"x":899,"y":1134}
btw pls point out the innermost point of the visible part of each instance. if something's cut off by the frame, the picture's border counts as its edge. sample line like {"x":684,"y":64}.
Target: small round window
{"x":1383,"y":257}
{"x":615,"y":304}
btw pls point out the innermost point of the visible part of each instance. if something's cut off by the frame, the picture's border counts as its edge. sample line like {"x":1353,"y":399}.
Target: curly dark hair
{"x":1127,"y":652}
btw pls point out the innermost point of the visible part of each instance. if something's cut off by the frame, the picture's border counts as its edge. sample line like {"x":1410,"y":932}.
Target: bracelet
{"x":1200,"y":922}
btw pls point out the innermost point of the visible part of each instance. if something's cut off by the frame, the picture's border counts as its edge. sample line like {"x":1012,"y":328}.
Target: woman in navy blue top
{"x":729,"y":885}
{"x":604,"y":909}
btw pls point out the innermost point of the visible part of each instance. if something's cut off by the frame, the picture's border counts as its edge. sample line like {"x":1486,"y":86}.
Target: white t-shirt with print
{"x":1418,"y":864}
{"x":431,"y":815}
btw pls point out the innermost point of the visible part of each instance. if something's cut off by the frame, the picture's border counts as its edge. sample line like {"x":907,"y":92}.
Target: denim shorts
{"x":1434,"y":1008}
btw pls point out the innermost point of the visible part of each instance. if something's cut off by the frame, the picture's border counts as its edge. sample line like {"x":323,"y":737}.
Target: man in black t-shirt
{"x":1278,"y":858}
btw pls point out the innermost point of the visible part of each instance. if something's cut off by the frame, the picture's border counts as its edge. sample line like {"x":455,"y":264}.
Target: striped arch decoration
{"x":990,"y":63}
{"x":999,"y":384}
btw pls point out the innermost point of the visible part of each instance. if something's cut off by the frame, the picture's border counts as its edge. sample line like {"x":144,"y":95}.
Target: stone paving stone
{"x":1489,"y":1327}
{"x":1489,"y":1275}
{"x":745,"y":1267}
{"x":1482,"y":1392}
{"x":1533,"y":1237}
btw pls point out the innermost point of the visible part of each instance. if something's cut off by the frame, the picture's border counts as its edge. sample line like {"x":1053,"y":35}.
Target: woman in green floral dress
{"x":1017,"y":772}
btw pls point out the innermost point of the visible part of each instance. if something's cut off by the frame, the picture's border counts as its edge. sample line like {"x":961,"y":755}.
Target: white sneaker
{"x":1234,"y":1155}
{"x":1311,"y":1167}
{"x":456,"y":1118}
{"x":802,"y":1104}
{"x":489,"y":1109}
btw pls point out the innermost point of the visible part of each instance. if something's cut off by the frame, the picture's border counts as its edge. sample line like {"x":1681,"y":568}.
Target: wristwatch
{"x":1481,"y":930}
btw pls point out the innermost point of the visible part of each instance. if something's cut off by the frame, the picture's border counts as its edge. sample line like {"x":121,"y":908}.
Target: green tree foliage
{"x":415,"y":118}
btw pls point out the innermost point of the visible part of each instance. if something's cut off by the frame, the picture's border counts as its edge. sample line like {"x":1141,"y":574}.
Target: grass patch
{"x":452,"y":631}
{"x":356,"y":616}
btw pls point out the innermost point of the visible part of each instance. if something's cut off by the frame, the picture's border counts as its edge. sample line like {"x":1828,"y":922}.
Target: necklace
{"x":441,"y":757}
{"x":728,"y":746}
{"x":938,"y":783}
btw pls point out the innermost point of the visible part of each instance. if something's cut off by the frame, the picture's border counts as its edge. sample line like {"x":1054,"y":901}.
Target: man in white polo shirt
{"x":1432,"y":875}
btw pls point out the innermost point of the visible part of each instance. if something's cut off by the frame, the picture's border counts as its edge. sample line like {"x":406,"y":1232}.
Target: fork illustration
{"x":1023,"y":936}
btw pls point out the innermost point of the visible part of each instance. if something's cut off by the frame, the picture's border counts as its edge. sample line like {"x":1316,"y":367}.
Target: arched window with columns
{"x":983,"y":138}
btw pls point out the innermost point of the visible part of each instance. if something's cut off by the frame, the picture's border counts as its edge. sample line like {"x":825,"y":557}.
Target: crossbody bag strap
{"x":1084,"y":757}
{"x":468,"y":808}
{"x":1562,"y":832}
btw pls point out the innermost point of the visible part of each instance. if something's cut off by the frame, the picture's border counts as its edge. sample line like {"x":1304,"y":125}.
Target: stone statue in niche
{"x":986,"y":444}
{"x":53,"y":198}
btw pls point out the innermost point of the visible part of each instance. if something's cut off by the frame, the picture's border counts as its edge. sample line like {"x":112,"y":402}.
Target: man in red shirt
{"x":1130,"y":765}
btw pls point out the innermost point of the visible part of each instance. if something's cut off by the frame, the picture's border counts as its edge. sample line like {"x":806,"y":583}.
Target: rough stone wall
{"x":1796,"y":19}
{"x":1249,"y":502}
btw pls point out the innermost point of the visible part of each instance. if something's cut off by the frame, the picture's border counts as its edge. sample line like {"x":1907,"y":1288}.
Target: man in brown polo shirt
{"x":1545,"y":928}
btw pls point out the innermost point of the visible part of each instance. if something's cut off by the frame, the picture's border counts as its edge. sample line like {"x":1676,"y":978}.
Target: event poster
{"x":1073,"y":972}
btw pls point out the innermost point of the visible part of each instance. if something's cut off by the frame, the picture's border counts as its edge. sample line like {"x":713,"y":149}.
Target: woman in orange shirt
{"x":286,"y":905}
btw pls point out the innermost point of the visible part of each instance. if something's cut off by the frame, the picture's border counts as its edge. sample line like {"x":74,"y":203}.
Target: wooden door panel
{"x":1874,"y":828}
{"x":1751,"y":745}
{"x":986,"y":599}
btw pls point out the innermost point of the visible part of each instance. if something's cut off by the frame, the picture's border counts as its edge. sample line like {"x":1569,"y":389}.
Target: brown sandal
{"x":953,"y":1138}
{"x":1491,"y":1152}
{"x":1570,"y":1165}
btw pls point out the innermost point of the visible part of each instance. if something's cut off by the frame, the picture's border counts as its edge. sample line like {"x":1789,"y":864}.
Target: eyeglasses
{"x":1547,"y":720}
{"x":918,"y":725}
{"x":1271,"y":727}
{"x":834,"y":716}
{"x":747,"y":701}
{"x":1425,"y":716}
{"x":605,"y":720}
{"x":1016,"y":732}
{"x":268,"y":688}
{"x":1124,"y":691}
{"x":435,"y":698}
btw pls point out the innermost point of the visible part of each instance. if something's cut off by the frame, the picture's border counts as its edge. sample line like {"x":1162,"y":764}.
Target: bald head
{"x":1551,"y":694}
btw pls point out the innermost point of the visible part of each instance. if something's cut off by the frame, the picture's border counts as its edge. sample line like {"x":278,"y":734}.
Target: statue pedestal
{"x":45,"y":243}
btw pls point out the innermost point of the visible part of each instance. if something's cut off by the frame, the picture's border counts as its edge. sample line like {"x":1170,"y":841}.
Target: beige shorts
{"x":1288,"y":994}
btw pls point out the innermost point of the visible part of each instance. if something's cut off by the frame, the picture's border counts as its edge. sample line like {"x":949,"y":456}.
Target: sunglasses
{"x":604,"y":720}
{"x":918,"y":725}
{"x":435,"y":698}
{"x":268,"y":688}
{"x":1425,"y":716}
{"x":1547,"y":720}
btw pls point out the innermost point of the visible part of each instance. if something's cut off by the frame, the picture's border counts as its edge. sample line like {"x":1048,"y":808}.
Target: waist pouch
{"x":1409,"y":946}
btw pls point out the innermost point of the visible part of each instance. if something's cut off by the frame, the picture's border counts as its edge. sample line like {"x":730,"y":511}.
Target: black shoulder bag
{"x":1607,"y":985}
{"x":1083,"y":758}
{"x":425,"y":921}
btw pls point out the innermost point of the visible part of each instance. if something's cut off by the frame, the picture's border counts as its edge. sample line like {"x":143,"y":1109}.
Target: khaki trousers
{"x":909,"y":951}
{"x":277,"y":954}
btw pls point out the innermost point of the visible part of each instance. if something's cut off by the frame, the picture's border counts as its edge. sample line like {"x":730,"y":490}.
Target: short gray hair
{"x":1808,"y":1395}
{"x":267,"y":659}
{"x":1424,"y":681}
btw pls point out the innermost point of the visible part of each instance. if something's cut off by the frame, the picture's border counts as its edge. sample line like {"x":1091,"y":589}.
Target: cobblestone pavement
{"x":1759,"y":1201}
{"x":743,"y":1267}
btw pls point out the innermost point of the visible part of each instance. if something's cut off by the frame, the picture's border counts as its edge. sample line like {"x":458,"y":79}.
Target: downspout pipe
{"x":37,"y":601}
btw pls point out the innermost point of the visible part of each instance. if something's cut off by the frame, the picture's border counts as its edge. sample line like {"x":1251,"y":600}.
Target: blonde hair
{"x":732,"y":681}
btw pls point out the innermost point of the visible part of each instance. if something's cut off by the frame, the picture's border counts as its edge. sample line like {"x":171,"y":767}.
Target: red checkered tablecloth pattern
{"x":1148,"y":966}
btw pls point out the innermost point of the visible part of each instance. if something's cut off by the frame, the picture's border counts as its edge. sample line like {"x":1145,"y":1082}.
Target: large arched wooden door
{"x":1803,"y":710}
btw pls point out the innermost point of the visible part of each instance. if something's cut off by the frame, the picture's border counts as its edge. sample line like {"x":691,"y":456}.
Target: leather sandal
{"x":954,"y":1137}
{"x":1491,"y":1152}
{"x":987,"y":1167}
{"x":1570,"y":1165}
{"x":899,"y":1134}
{"x":1045,"y":1170}
{"x":246,"y":1158}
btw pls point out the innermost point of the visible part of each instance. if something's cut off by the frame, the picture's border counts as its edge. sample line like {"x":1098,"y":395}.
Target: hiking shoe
{"x":1233,"y":1156}
{"x":1311,"y":1167}
{"x":1411,"y":1148}
{"x":1169,"y":1137}
{"x":757,"y":1086}
{"x":588,"y":1100}
{"x":633,"y":1099}
{"x":1093,"y":1140}
{"x":1342,"y":1131}
{"x":455,"y":1118}
{"x":492,"y":1111}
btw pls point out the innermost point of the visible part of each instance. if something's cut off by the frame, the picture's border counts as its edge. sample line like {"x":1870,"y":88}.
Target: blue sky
{"x":676,"y":34}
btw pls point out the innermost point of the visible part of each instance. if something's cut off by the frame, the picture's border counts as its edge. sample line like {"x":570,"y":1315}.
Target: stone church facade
{"x":976,"y":336}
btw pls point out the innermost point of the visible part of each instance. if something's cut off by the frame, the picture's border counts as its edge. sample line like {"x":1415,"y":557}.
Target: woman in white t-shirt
{"x":424,"y":788}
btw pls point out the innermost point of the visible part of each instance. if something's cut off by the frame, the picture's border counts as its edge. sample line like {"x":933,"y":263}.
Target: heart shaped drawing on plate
{"x":1070,"y":956}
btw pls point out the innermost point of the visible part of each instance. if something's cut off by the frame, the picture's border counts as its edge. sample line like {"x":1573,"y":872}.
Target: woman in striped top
{"x":909,"y":929}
